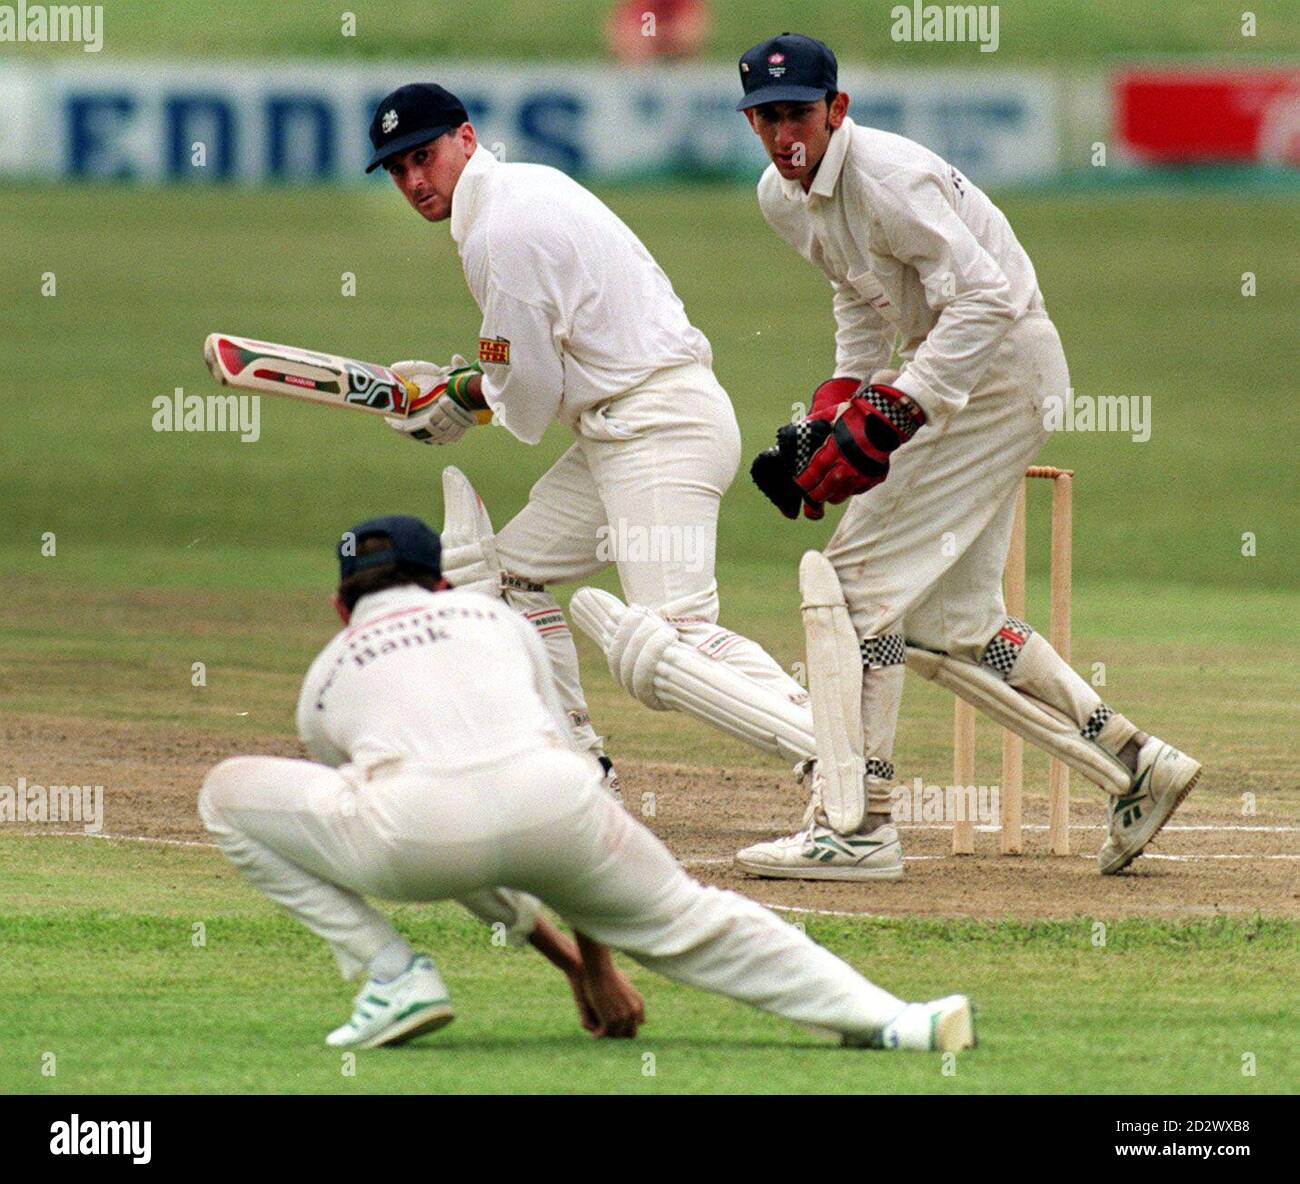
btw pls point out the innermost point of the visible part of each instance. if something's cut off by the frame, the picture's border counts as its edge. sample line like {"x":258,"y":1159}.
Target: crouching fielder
{"x":445,"y":768}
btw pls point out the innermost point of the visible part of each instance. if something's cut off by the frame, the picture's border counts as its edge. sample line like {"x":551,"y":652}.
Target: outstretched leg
{"x":620,"y":885}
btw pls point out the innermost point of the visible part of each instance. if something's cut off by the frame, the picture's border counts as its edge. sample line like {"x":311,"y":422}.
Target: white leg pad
{"x":469,"y":561}
{"x":835,"y":683}
{"x":469,"y":555}
{"x":651,"y":663}
{"x":1038,"y":723}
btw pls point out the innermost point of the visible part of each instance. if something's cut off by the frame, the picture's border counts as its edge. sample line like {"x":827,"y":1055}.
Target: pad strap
{"x":1002,"y":653}
{"x":889,"y":649}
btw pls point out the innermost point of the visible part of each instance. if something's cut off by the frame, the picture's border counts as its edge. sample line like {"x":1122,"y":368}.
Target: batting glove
{"x":444,"y":421}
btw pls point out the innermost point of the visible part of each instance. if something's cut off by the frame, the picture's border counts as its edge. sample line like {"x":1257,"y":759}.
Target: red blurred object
{"x":1190,"y":116}
{"x":639,"y":30}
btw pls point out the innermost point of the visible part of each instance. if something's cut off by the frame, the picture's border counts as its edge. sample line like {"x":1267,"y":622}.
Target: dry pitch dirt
{"x":1200,"y":868}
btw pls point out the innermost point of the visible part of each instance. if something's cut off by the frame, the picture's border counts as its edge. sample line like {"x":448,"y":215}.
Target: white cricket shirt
{"x":450,"y":679}
{"x":911,"y":247}
{"x":575,"y":310}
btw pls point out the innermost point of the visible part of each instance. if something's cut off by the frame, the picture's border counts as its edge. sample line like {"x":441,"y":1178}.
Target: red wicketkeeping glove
{"x":843,"y":447}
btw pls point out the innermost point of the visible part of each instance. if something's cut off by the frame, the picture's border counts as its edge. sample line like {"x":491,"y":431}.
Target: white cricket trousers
{"x":318,"y":840}
{"x":640,"y":488}
{"x":925,"y":550}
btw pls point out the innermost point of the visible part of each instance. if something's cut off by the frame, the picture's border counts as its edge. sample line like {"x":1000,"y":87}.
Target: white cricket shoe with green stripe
{"x":942,"y":1025}
{"x":1164,"y":777}
{"x":416,"y":1001}
{"x":820,"y":853}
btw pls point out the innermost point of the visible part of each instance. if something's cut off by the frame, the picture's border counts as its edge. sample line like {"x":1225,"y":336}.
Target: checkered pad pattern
{"x":1096,"y":721}
{"x":882,"y":769}
{"x":893,"y":411}
{"x":886,"y":650}
{"x":1001,"y":653}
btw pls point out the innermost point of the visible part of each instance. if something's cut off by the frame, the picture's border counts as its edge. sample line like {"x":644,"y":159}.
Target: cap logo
{"x":389,"y":122}
{"x":776,"y":59}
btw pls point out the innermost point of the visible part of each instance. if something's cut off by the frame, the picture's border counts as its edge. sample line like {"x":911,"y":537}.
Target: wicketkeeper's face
{"x":427,"y":175}
{"x":796,"y":134}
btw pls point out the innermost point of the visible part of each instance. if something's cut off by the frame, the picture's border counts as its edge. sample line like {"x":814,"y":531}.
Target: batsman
{"x":580,"y":326}
{"x":929,"y":459}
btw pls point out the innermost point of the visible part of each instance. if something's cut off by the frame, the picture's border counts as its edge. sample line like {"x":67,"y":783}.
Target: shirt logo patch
{"x":494,"y":349}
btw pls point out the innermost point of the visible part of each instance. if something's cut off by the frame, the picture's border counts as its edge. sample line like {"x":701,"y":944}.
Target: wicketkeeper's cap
{"x":411,"y":542}
{"x":791,"y":68}
{"x":412,"y":115}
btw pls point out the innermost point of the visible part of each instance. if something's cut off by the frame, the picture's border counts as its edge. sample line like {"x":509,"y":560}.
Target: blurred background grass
{"x":1030,"y":31}
{"x":1145,"y":290}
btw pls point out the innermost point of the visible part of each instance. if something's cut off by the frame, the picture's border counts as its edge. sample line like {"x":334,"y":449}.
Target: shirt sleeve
{"x":311,"y":722}
{"x":963,"y":284}
{"x":864,"y":342}
{"x":521,"y":348}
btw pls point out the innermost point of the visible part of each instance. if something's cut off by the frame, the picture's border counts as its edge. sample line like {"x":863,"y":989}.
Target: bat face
{"x":295,"y":373}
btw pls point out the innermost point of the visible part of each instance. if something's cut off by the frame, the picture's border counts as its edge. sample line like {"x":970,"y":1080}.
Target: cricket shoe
{"x":819,"y":853}
{"x":942,"y":1025}
{"x":1164,"y":777}
{"x":611,"y":782}
{"x":416,"y":1001}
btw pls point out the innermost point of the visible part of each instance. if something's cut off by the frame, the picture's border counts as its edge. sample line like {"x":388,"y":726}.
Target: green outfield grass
{"x":100,"y":944}
{"x":1145,"y":290}
{"x":1070,"y":31}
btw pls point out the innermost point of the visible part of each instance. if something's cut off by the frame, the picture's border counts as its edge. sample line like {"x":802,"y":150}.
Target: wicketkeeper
{"x":580,"y":325}
{"x":444,"y":767}
{"x":929,"y":459}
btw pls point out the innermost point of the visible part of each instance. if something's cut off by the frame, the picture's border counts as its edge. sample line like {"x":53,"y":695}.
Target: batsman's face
{"x":795,"y":135}
{"x":427,"y":175}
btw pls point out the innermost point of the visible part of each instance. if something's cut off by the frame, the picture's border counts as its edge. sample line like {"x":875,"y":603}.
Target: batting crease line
{"x":700,"y":862}
{"x":705,"y":862}
{"x":991,"y":828}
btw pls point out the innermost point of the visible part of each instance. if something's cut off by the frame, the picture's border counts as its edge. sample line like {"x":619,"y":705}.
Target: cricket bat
{"x":305,"y":374}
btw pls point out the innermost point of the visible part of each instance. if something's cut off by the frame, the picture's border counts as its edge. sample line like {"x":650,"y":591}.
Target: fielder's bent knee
{"x":221,"y":781}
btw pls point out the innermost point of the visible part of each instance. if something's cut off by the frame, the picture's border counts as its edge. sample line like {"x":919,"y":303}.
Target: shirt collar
{"x":403,"y":598}
{"x":467,"y":198}
{"x":829,"y":172}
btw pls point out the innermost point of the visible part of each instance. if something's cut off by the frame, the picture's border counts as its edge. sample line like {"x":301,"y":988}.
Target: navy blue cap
{"x":411,"y":542}
{"x":412,"y":115}
{"x":791,"y":68}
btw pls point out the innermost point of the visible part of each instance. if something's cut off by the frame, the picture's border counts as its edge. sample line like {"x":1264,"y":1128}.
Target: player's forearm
{"x":596,"y":958}
{"x":557,"y":949}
